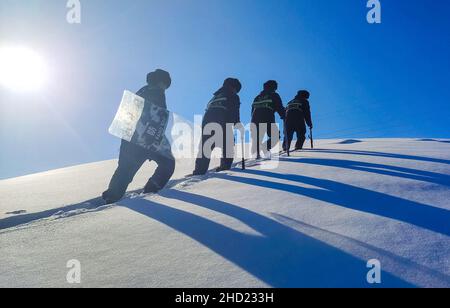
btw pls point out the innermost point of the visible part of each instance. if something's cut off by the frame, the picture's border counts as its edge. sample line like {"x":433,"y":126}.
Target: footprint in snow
{"x":16,"y":212}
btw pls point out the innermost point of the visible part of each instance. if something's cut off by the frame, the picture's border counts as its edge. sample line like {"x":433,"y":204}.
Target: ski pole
{"x":311,"y":137}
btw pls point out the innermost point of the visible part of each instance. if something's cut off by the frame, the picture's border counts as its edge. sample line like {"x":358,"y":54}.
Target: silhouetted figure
{"x":132,"y":156}
{"x":264,"y":107}
{"x":223,"y":109}
{"x":298,"y":113}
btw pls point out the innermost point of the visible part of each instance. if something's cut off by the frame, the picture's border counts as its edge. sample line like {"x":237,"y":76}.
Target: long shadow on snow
{"x":434,"y":140}
{"x":382,"y":154}
{"x":356,"y":198}
{"x":408,"y":173}
{"x":280,"y":256}
{"x":88,"y":205}
{"x":389,"y":259}
{"x":23,"y":219}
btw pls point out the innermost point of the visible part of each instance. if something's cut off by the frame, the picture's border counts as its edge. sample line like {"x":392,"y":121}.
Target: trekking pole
{"x":243,"y":149}
{"x":287,"y":144}
{"x":258,"y":154}
{"x":311,"y":137}
{"x":241,"y":128}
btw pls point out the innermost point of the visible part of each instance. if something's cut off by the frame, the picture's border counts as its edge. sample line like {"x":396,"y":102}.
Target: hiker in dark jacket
{"x":298,"y":112}
{"x":223,"y":111}
{"x":264,"y":107}
{"x":133,"y":156}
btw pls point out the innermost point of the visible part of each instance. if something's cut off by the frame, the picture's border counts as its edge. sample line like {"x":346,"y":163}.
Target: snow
{"x":314,"y":221}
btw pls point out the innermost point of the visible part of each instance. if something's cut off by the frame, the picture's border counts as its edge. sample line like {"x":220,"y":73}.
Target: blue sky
{"x":388,"y":80}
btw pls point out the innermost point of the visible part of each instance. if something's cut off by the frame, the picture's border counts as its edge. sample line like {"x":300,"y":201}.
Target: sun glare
{"x":21,"y":69}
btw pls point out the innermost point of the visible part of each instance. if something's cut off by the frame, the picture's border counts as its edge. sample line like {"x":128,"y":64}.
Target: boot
{"x":223,"y":168}
{"x":151,"y":187}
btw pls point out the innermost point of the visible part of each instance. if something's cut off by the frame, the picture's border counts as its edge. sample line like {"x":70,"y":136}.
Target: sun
{"x":22,"y":69}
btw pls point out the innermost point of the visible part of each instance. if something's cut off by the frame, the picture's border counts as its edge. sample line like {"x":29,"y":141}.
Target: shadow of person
{"x":434,"y":140}
{"x":356,"y":198}
{"x":390,"y":261}
{"x":21,"y":219}
{"x":279,"y":255}
{"x":407,"y":173}
{"x":95,"y":204}
{"x":381,"y":154}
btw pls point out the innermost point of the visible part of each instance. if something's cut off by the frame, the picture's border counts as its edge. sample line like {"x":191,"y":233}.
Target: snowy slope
{"x":315,"y":220}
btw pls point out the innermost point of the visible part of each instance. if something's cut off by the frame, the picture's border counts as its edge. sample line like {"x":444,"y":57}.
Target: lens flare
{"x":22,"y":69}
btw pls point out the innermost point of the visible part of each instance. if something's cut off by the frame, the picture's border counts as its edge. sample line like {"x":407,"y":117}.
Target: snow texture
{"x":314,"y":221}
